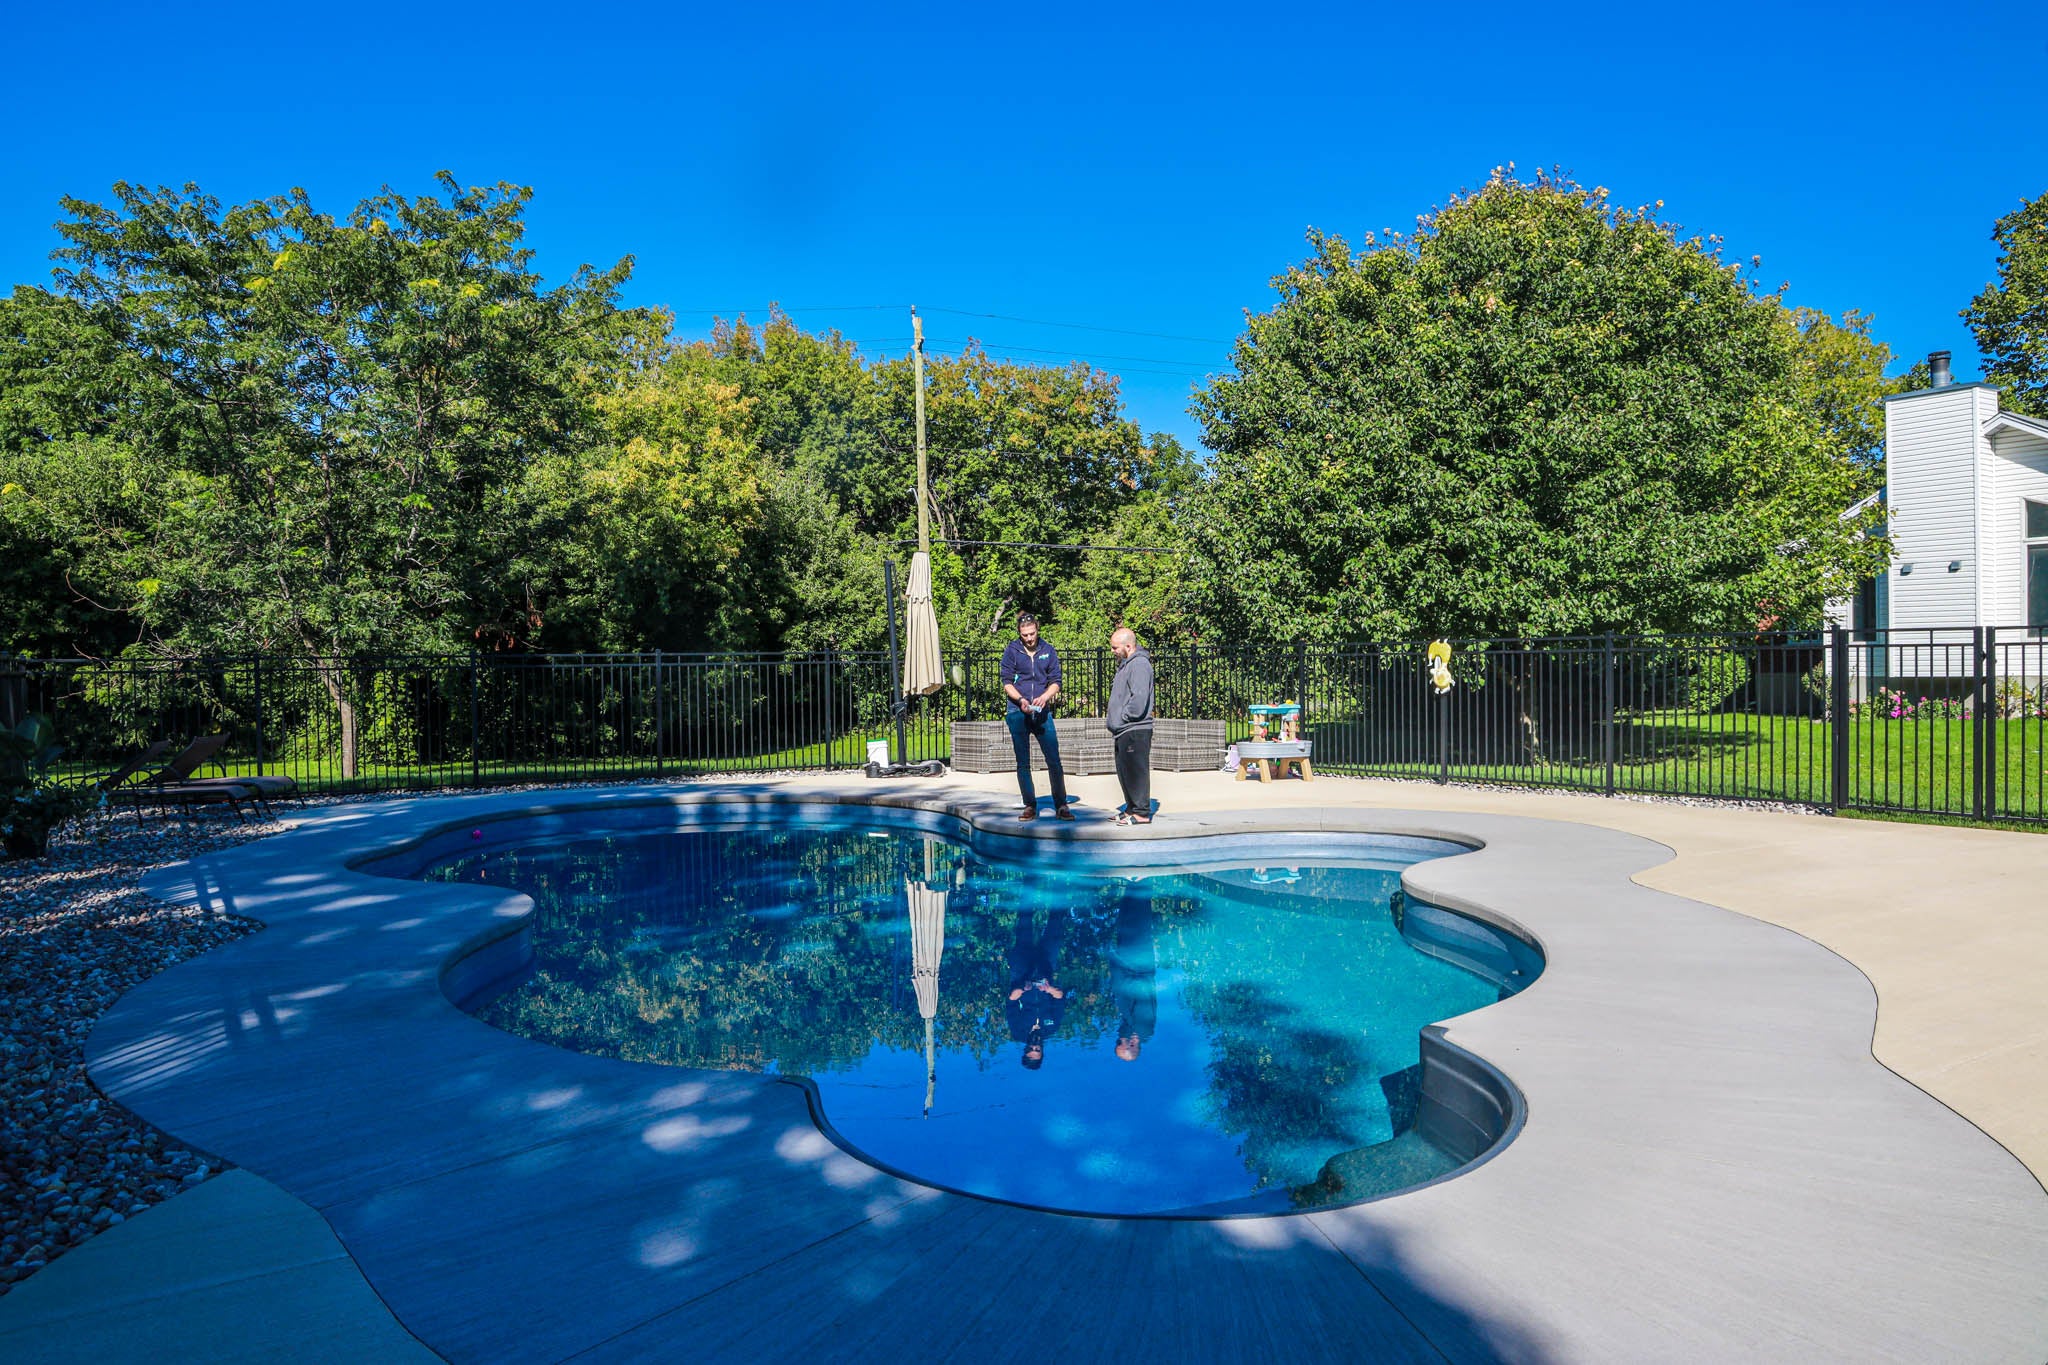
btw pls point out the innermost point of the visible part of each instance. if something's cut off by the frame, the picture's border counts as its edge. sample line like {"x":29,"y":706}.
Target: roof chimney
{"x":1937,"y":365}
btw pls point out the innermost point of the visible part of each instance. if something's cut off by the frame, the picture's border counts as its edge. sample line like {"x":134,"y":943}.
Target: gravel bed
{"x":75,"y":933}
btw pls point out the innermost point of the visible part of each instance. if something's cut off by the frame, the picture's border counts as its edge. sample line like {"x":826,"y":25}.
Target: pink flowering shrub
{"x":1889,"y":703}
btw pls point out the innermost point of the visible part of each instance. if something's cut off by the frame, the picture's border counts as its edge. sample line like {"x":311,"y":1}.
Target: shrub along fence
{"x":1930,"y":722}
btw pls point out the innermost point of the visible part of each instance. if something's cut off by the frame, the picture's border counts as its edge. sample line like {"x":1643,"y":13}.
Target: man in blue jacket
{"x":1031,"y":680}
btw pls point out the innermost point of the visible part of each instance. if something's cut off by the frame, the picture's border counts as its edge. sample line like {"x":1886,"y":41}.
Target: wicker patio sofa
{"x":1178,"y":746}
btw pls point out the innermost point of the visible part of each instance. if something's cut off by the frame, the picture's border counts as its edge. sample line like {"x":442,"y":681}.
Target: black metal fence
{"x":1930,"y":722}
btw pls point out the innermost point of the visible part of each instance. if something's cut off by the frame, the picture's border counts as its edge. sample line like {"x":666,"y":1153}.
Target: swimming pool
{"x":1205,"y":1035}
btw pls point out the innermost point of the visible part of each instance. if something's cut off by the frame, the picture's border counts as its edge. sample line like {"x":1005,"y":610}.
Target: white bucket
{"x":878,"y":752}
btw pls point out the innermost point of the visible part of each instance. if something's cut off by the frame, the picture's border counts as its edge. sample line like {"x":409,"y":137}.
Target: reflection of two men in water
{"x":1037,"y":1003}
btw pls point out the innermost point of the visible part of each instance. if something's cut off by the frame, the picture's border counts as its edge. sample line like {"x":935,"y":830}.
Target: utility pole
{"x":924,"y":496}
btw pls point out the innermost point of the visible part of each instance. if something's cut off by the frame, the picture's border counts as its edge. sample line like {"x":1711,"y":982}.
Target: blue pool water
{"x":1193,"y":1039}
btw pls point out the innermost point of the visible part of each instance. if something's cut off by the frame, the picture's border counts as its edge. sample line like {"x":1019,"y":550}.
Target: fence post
{"x":1301,"y":680}
{"x":660,"y":712}
{"x":831,"y":730}
{"x":1607,"y":707}
{"x":1443,"y":738}
{"x":1194,"y":679}
{"x":1983,"y":762}
{"x":1839,"y":731}
{"x":259,"y":715}
{"x":476,"y":771}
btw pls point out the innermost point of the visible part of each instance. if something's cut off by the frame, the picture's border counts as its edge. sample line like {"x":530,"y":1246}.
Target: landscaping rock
{"x":75,"y":934}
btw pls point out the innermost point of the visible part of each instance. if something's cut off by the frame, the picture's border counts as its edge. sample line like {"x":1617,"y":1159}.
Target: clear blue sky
{"x":1145,"y":168}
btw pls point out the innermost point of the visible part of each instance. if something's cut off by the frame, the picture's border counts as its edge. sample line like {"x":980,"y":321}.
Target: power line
{"x":1080,"y":326}
{"x":806,"y":308}
{"x":967,"y":313}
{"x":1042,"y":545}
{"x":1094,"y":355}
{"x":1120,"y":371}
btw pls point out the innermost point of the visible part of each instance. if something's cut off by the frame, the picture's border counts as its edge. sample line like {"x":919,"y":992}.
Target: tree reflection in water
{"x":1216,"y":1034}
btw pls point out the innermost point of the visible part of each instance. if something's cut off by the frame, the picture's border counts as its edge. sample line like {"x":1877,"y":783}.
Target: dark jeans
{"x":1134,"y":770}
{"x":1022,"y":728}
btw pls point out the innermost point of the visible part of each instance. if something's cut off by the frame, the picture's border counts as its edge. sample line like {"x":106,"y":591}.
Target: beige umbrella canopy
{"x":927,"y":943}
{"x":923,"y":673}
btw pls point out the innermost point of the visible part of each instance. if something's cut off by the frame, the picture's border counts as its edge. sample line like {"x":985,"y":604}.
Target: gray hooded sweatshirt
{"x":1130,"y":696}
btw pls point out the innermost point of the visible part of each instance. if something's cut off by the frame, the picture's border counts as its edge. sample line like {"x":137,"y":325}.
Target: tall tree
{"x":1838,"y":377}
{"x":1135,"y":587}
{"x":1541,"y":414}
{"x":321,"y":423}
{"x":1033,"y":453}
{"x":2010,"y":316}
{"x":702,"y":521}
{"x":55,"y":385}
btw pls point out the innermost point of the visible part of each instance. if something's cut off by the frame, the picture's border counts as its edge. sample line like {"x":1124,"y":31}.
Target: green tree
{"x":54,"y":386}
{"x":1838,"y":373}
{"x":1149,"y":592}
{"x":2010,"y":316}
{"x":1030,"y":453}
{"x":1541,"y":415}
{"x":319,"y":427}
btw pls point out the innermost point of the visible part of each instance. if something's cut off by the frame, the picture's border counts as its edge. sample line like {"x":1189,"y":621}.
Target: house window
{"x":1863,"y":611}
{"x":2037,"y":568}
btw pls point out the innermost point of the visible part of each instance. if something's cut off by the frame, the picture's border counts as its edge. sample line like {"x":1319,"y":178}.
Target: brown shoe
{"x":1062,"y":813}
{"x":1028,"y":813}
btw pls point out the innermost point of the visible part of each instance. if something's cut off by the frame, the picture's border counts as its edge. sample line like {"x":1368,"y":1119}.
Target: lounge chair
{"x":209,"y":793}
{"x":119,"y":774}
{"x":267,"y":788}
{"x":174,"y":784}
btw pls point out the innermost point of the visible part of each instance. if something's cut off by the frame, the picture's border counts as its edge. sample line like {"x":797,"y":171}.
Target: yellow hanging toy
{"x":1440,"y":666}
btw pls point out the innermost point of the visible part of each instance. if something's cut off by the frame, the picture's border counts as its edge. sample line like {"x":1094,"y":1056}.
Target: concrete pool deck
{"x":1715,"y":1171}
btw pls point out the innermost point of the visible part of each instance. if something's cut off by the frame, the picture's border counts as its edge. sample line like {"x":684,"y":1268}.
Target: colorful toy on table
{"x":1263,"y":753}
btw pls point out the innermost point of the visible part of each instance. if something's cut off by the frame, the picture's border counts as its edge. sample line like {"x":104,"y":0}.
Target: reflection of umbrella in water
{"x":927,"y":942}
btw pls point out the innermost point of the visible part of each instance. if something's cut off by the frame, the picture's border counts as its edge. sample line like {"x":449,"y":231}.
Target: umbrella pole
{"x":895,"y":670}
{"x":931,"y":1069}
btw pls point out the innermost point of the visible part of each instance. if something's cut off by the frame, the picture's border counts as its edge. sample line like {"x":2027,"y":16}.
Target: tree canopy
{"x":266,"y":427}
{"x":1540,"y":414}
{"x":2010,"y":316}
{"x":269,"y":428}
{"x":263,"y":427}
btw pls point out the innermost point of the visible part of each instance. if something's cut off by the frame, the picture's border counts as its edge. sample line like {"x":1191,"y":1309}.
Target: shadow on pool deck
{"x":513,"y":1201}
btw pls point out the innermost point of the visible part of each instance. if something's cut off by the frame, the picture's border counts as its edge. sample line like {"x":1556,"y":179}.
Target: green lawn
{"x":1896,"y":765}
{"x":1909,"y":767}
{"x":323,"y":773}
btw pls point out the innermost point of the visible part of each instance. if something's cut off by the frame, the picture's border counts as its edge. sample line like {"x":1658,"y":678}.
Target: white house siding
{"x":2018,"y":470}
{"x":1933,"y":448}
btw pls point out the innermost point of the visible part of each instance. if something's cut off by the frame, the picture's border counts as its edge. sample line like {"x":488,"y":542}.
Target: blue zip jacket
{"x":1030,"y":670}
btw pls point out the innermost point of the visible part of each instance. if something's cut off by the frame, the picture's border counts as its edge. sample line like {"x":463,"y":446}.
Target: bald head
{"x":1122,"y":641}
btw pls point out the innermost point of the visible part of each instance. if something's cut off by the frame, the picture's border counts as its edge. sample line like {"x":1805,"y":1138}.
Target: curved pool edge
{"x":1467,"y":1107}
{"x":1704,"y":1117}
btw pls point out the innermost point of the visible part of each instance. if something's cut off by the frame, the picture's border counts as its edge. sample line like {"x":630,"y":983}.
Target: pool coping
{"x":1716,"y":1167}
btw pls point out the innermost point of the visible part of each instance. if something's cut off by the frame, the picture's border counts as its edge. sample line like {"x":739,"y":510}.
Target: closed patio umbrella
{"x":923,"y":673}
{"x":927,"y":943}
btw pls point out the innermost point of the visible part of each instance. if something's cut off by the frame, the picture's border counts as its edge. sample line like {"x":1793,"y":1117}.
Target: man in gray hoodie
{"x":1130,"y":725}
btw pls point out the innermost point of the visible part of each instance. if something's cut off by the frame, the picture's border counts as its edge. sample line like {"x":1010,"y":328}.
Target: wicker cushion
{"x":1086,"y":747}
